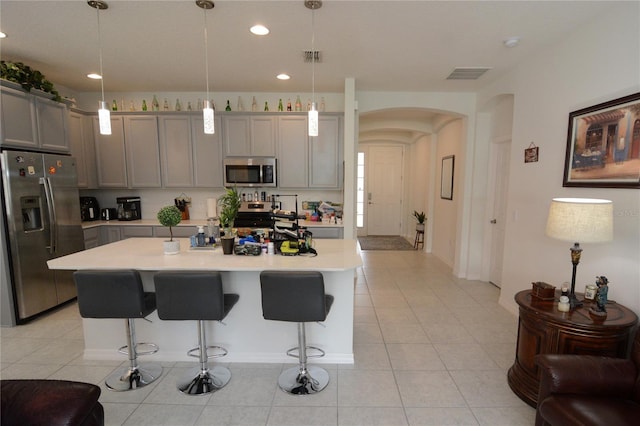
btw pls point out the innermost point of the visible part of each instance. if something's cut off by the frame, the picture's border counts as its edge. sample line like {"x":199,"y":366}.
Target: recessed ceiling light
{"x":512,"y":42}
{"x":94,"y":76}
{"x":283,"y":77}
{"x":2,"y":35}
{"x":259,"y":30}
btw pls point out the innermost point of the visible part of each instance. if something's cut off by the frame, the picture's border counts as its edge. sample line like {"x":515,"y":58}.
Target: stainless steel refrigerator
{"x":42,"y":211}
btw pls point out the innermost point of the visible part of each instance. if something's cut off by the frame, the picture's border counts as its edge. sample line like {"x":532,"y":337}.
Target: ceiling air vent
{"x":468,"y":73}
{"x":309,"y":56}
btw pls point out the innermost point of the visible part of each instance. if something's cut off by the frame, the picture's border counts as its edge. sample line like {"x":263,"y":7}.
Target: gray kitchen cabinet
{"x":91,"y":238}
{"x":325,"y":154}
{"x":33,"y":122}
{"x":135,"y":231}
{"x":176,"y":151}
{"x":111,"y":162}
{"x":109,"y":234}
{"x":207,"y":154}
{"x":52,"y":124}
{"x":249,"y":135}
{"x":326,"y":232}
{"x":82,"y":149}
{"x":142,"y":151}
{"x":130,"y":156}
{"x":293,"y":151}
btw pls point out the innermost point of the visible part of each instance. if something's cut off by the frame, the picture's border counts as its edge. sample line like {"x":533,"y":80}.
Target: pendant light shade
{"x":313,"y":111}
{"x":207,"y":111}
{"x":104,"y":117}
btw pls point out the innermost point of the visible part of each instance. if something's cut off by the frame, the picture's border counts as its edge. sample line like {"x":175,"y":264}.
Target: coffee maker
{"x":129,"y":208}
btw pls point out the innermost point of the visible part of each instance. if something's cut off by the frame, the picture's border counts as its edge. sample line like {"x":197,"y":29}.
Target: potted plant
{"x":229,"y":205}
{"x":170,"y":216}
{"x":421,"y":218}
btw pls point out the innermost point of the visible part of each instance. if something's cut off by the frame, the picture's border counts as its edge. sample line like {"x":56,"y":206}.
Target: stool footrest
{"x":195,"y":352}
{"x":153,"y":348}
{"x":294,"y":352}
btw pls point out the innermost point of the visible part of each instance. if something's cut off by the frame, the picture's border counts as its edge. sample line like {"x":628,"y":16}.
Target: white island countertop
{"x":146,"y":254}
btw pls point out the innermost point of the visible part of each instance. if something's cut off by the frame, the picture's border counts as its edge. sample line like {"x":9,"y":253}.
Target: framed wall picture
{"x":603,"y":145}
{"x":446,"y":178}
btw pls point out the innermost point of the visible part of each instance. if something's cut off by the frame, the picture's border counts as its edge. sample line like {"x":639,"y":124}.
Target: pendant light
{"x":104,"y":117}
{"x":207,"y":111}
{"x":313,"y":112}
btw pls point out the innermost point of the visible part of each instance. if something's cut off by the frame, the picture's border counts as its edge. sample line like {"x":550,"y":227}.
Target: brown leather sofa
{"x":50,"y":403}
{"x":585,"y":390}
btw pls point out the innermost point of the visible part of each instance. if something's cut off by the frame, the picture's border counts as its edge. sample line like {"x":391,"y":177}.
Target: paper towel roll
{"x":212,"y":207}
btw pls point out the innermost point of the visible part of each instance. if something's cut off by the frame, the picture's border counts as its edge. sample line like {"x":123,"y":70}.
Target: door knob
{"x":493,"y":221}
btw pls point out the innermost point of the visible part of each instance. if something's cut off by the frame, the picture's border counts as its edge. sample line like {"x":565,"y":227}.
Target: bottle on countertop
{"x":298,"y":104}
{"x":280,"y":107}
{"x":289,"y":104}
{"x":144,"y":105}
{"x":201,"y":237}
{"x":228,"y":107}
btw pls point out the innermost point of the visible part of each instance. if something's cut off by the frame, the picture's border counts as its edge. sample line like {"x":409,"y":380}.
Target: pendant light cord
{"x":206,"y":51}
{"x":100,"y":54}
{"x":313,"y":55}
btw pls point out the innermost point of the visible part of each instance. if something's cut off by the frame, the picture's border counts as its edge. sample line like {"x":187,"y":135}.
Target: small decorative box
{"x":543,"y":291}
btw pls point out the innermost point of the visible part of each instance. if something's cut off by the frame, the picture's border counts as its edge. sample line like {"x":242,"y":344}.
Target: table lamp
{"x":585,"y":220}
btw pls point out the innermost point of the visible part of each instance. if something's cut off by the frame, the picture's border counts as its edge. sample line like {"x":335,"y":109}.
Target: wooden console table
{"x":542,"y":329}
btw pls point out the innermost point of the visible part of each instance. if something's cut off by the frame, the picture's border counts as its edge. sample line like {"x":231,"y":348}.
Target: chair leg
{"x":135,"y":376}
{"x":203,"y":380}
{"x":303,"y":380}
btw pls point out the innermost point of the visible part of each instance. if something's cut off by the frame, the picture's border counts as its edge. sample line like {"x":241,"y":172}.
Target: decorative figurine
{"x":599,"y":310}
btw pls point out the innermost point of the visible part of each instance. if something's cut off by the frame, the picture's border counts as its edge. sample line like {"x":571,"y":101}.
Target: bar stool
{"x":297,"y":296}
{"x":119,"y":294}
{"x":196,"y":296}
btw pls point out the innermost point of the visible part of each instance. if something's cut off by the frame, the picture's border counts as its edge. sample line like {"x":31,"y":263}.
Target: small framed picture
{"x":446,"y":178}
{"x":531,"y":154}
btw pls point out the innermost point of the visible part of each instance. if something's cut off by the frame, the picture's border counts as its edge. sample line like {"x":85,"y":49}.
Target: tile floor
{"x":430,"y":349}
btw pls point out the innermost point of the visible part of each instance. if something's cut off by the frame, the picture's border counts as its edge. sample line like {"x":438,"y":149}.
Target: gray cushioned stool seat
{"x":196,"y":296}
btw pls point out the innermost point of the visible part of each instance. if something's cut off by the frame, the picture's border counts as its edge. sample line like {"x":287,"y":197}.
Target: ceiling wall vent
{"x":309,"y":54}
{"x":467,"y":73}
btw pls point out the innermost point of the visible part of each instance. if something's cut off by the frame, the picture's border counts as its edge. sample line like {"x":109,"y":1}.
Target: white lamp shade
{"x":104,"y":118}
{"x":313,"y":120}
{"x":583,"y":220}
{"x":207,"y":115}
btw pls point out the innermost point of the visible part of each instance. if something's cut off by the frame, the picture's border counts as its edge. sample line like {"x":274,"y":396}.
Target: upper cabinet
{"x":293,"y":151}
{"x":189,"y":157}
{"x":249,"y":135}
{"x":325,"y":154}
{"x":34,"y":122}
{"x":130,"y":156}
{"x":82,"y":148}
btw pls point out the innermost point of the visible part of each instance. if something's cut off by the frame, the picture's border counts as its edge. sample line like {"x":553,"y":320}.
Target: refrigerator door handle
{"x":51,"y":209}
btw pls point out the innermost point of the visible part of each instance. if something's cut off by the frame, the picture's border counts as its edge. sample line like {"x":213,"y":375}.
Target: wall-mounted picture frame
{"x":603,"y":145}
{"x":531,"y":154}
{"x":446,"y":177}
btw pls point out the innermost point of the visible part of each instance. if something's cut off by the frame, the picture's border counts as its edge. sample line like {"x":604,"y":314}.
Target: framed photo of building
{"x":603,"y":145}
{"x":446,"y":178}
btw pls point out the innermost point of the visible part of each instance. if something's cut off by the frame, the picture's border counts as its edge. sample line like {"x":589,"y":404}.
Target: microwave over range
{"x":249,"y":172}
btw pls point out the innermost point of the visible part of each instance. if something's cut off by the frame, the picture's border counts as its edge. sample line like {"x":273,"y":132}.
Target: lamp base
{"x":574,"y":302}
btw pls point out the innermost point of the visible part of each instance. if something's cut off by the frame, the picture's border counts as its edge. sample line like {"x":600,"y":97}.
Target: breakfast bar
{"x":245,"y":334}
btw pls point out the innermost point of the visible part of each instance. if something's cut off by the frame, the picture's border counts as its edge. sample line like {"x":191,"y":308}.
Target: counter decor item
{"x":170,"y":216}
{"x":229,"y":204}
{"x":542,"y":291}
{"x":599,"y":311}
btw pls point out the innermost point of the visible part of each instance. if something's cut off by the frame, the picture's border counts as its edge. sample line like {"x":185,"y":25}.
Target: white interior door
{"x":501,"y":152}
{"x":384,"y":195}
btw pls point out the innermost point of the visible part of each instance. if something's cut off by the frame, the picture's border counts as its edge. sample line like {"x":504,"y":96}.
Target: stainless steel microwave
{"x":243,"y":171}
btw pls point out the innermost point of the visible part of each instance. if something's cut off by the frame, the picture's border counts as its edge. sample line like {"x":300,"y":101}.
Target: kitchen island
{"x":245,"y":334}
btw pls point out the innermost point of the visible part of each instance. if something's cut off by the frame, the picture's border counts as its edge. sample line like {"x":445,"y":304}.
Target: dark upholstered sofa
{"x":582,"y":390}
{"x":50,"y":403}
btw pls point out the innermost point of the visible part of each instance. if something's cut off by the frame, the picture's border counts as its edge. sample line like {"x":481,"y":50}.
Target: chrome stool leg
{"x":204,"y":380}
{"x":303,"y":380}
{"x":135,"y":376}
